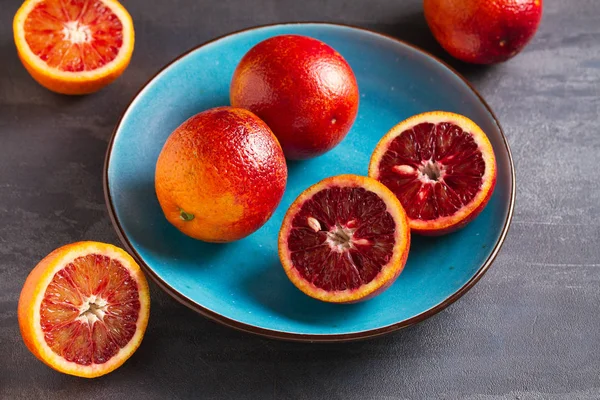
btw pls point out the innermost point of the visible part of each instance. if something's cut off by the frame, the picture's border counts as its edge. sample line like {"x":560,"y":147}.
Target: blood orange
{"x":483,"y":31}
{"x":74,"y":47}
{"x":344,"y":240}
{"x":442,"y":168}
{"x":84,"y":308}
{"x":302,"y":88}
{"x":220,"y":175}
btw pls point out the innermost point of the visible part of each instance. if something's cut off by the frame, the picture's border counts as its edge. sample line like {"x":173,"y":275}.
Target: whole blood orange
{"x":302,"y":88}
{"x":74,"y":47}
{"x":442,"y":168}
{"x":483,"y":31}
{"x":84,"y":309}
{"x":344,"y":240}
{"x":220,"y":175}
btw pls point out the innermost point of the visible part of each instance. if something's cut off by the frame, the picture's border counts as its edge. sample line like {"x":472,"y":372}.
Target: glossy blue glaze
{"x":244,"y":281}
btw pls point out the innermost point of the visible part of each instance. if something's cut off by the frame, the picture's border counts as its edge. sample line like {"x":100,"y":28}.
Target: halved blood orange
{"x":344,"y":240}
{"x":74,"y":46}
{"x":84,"y":308}
{"x":442,"y":168}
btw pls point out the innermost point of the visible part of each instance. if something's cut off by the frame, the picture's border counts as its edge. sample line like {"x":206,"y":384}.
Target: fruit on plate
{"x":74,"y":47}
{"x":483,"y":31}
{"x":302,"y":88}
{"x":344,"y":239}
{"x":84,"y":308}
{"x":220,"y":175}
{"x":442,"y":168}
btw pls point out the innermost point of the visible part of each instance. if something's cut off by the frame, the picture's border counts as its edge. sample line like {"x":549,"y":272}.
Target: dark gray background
{"x":529,"y":330}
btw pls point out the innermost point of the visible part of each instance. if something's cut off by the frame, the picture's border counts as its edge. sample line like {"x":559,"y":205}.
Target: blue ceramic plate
{"x":242,"y":284}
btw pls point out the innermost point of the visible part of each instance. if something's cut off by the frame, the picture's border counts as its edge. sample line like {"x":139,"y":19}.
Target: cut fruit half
{"x":74,"y":46}
{"x":442,"y":168}
{"x":344,"y":240}
{"x":84,"y":308}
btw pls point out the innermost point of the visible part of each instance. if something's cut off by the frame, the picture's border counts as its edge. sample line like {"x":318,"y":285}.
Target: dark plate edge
{"x":298,"y":337}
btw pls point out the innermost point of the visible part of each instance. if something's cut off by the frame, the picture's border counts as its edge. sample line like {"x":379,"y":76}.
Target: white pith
{"x":340,"y":238}
{"x":431,"y":172}
{"x":76,"y":32}
{"x":93,"y":309}
{"x":428,"y":173}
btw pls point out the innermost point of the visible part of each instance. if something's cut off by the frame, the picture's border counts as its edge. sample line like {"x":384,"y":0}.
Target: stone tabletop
{"x":530,"y":329}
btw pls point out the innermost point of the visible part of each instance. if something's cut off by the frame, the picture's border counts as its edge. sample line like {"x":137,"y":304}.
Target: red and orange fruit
{"x":220,"y":175}
{"x":442,"y":168}
{"x":74,"y":47}
{"x":84,"y":309}
{"x":302,"y":88}
{"x":483,"y":31}
{"x":344,"y":239}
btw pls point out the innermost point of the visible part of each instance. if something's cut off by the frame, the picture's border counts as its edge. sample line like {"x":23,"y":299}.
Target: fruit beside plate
{"x":483,"y":31}
{"x":74,"y":47}
{"x":221,"y":175}
{"x":84,"y":308}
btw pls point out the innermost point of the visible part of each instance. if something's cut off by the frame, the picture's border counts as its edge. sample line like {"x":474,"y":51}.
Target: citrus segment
{"x":76,"y":46}
{"x":441,"y":167}
{"x":84,"y":308}
{"x":74,"y":36}
{"x":345,"y":239}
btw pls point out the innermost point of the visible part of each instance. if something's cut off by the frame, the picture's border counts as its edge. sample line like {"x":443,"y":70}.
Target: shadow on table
{"x":185,"y":356}
{"x":413,"y":29}
{"x":21,"y":86}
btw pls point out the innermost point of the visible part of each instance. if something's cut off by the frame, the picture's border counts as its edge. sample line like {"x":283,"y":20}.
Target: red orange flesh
{"x":345,"y":239}
{"x":442,"y":168}
{"x":74,"y":47}
{"x":84,"y":308}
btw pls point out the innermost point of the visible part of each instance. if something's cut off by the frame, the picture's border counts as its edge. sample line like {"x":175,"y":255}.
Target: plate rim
{"x":294,"y":336}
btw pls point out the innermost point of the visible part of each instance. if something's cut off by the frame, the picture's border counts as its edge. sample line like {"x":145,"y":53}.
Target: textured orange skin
{"x":30,"y":290}
{"x":25,"y":306}
{"x":225,"y":167}
{"x":73,"y":87}
{"x":302,"y":88}
{"x":483,"y":31}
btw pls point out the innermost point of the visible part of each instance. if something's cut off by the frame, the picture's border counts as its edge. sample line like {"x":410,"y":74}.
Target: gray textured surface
{"x":529,"y":330}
